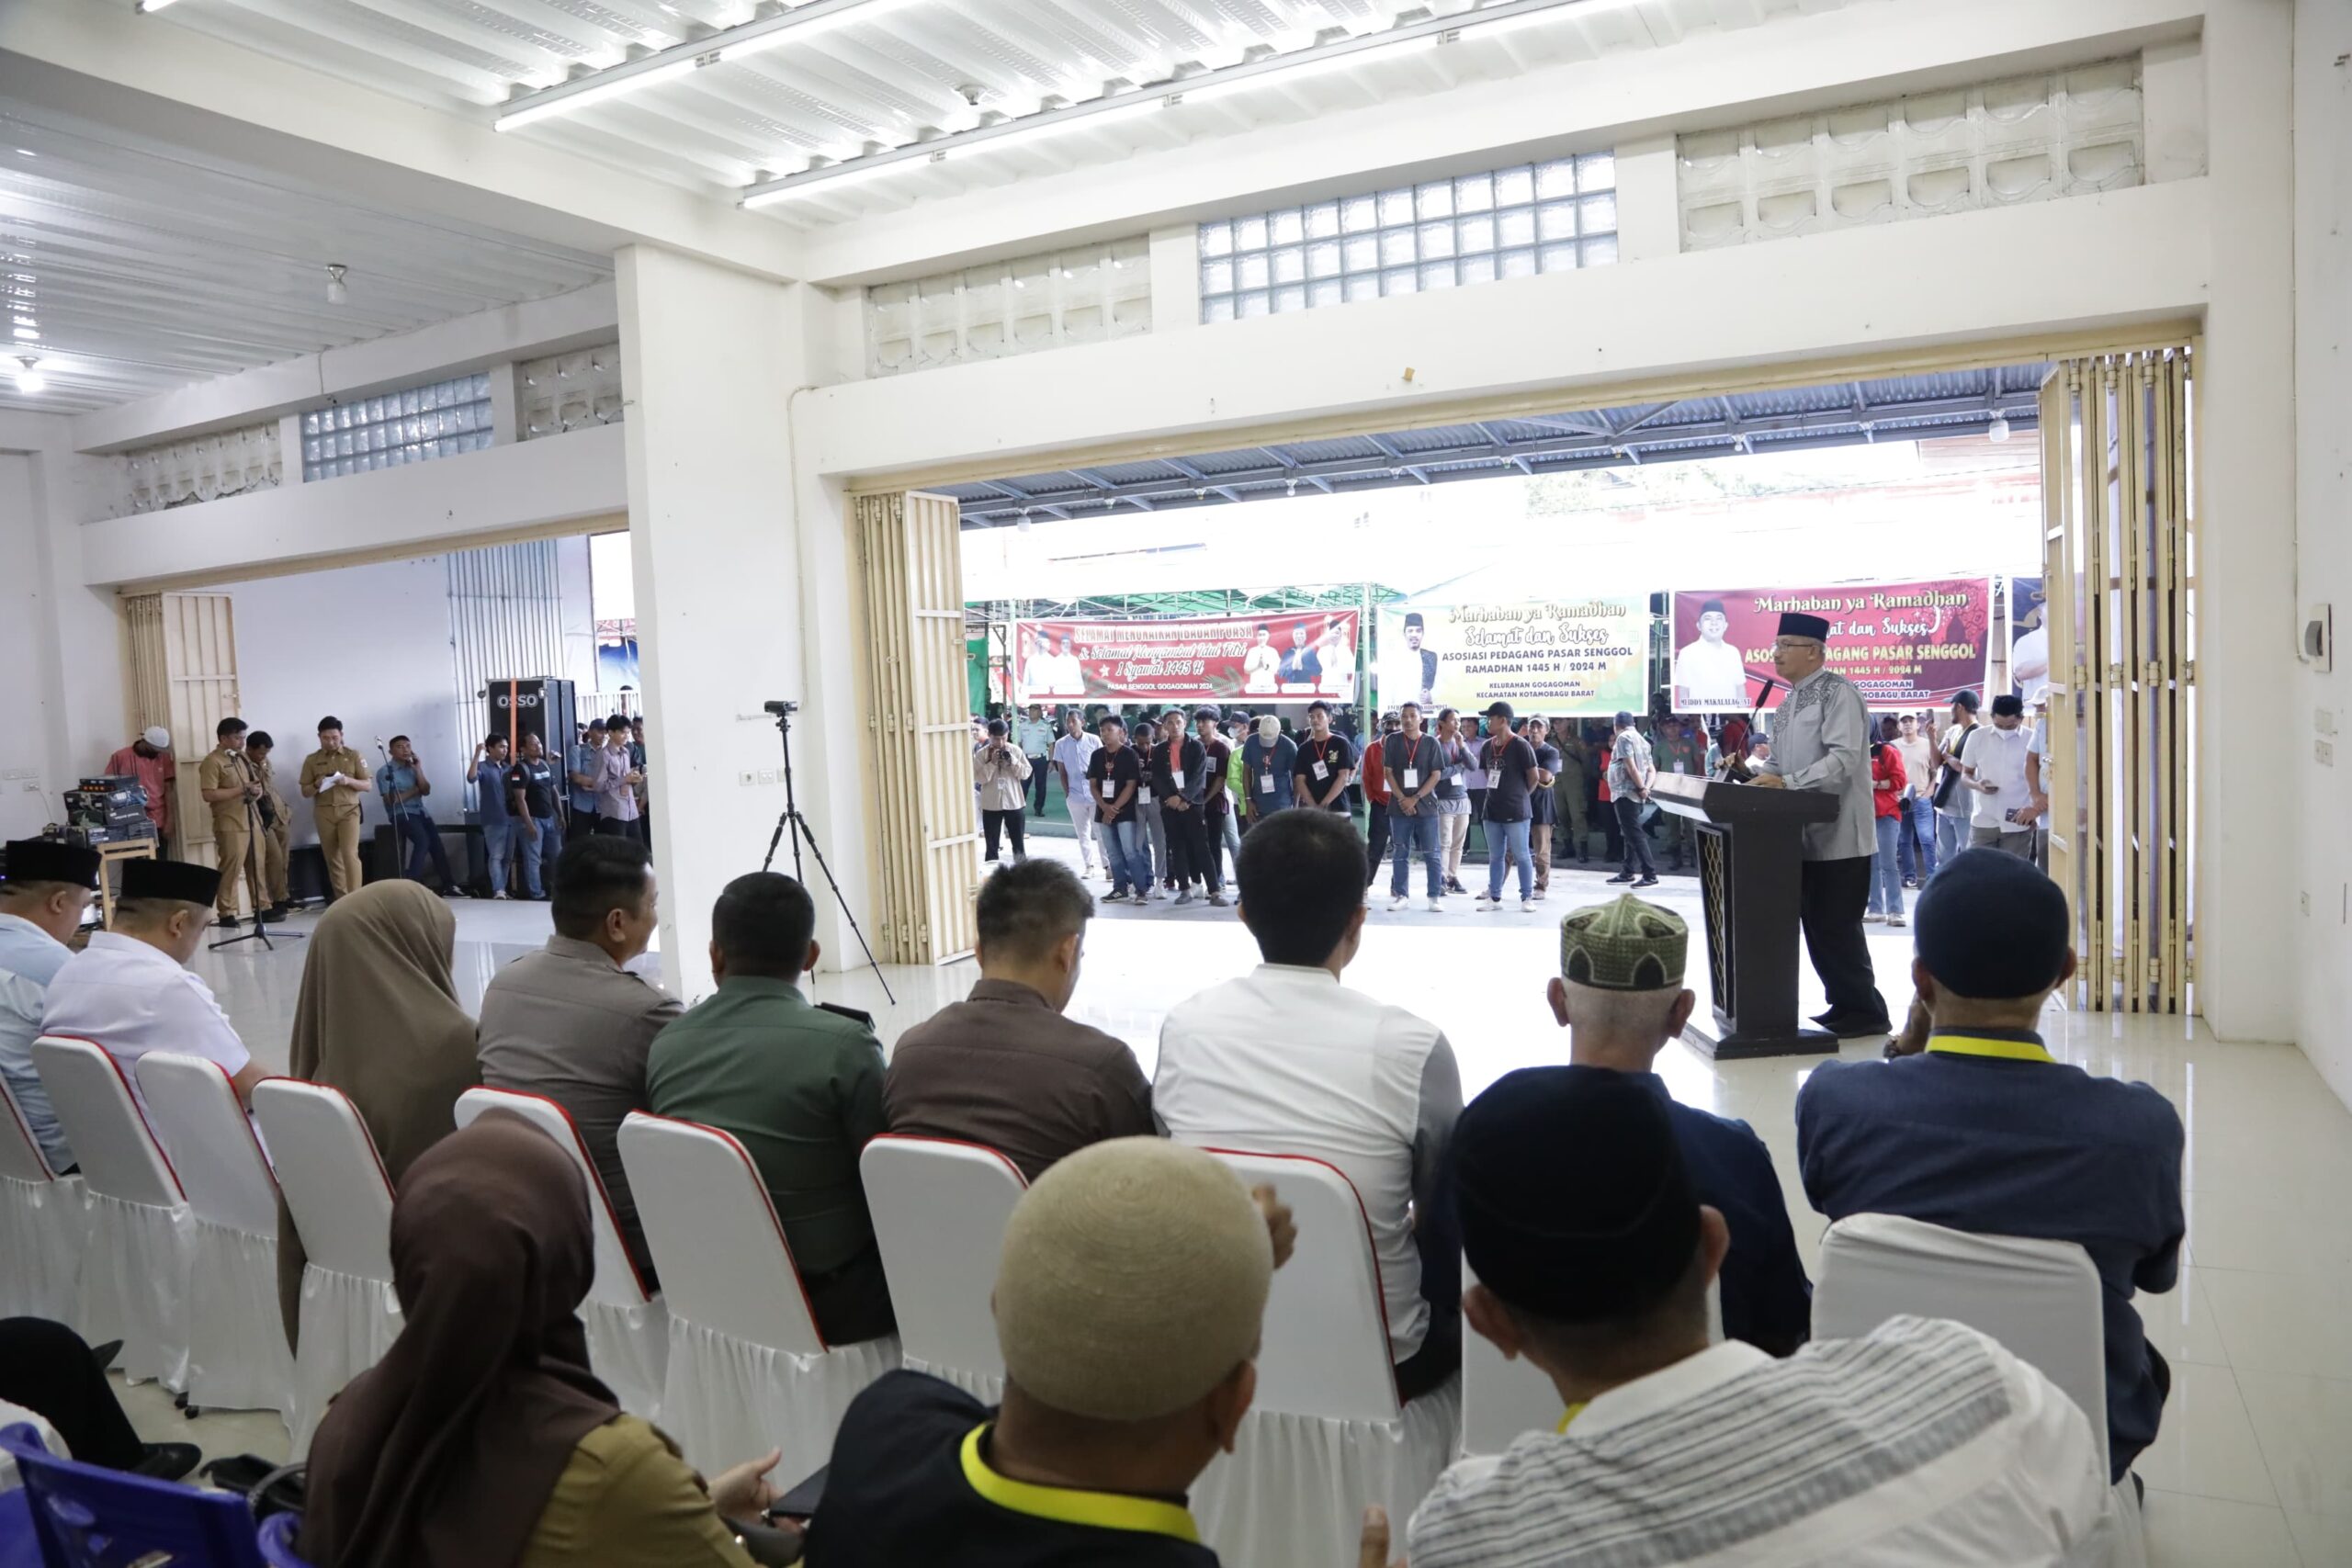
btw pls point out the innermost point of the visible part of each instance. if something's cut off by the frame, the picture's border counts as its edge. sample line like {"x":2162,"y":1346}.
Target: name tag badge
{"x":1265,"y":783}
{"x":1321,"y":772}
{"x":1412,"y":778}
{"x":1494,"y":778}
{"x":1179,"y":780}
{"x":1455,"y":778}
{"x":1110,"y":788}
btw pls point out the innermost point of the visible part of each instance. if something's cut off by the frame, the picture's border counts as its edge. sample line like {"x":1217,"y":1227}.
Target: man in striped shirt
{"x":1922,"y":1443}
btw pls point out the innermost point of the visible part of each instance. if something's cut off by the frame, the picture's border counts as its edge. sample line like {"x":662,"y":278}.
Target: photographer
{"x":1001,"y":769}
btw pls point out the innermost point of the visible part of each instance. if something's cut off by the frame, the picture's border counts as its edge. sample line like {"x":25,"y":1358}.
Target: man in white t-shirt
{"x":1069,"y":756}
{"x":1995,"y":771}
{"x":1286,"y":1060}
{"x":1916,"y":841}
{"x":1952,"y":816}
{"x":1709,"y":673}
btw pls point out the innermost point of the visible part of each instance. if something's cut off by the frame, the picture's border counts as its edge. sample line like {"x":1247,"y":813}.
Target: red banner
{"x":1295,"y":657}
{"x":1906,"y":645}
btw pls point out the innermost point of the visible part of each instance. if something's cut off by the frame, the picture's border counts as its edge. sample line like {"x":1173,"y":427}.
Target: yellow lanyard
{"x":1573,"y":1412}
{"x":1977,"y":1045}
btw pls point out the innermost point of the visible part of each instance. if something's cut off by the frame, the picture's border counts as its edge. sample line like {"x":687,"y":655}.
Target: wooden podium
{"x":1751,"y":859}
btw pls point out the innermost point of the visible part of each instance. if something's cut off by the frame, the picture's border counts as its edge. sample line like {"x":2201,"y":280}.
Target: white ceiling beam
{"x":102,"y":62}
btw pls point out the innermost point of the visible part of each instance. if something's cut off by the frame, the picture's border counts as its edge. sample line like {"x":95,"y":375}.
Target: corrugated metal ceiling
{"x":1905,"y":408}
{"x":920,"y":68}
{"x":142,"y":269}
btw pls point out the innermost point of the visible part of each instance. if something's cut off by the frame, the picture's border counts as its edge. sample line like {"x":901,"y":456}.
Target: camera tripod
{"x":798,"y":824}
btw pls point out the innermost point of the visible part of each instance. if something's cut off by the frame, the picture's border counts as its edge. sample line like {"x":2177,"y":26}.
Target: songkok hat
{"x":172,"y":879}
{"x":158,"y":737}
{"x":1413,"y":619}
{"x":1713,"y":607}
{"x":1627,"y":945}
{"x":1573,"y":1201}
{"x":1133,"y":1280}
{"x":1814,"y":627}
{"x":52,"y":860}
{"x":1990,"y":925}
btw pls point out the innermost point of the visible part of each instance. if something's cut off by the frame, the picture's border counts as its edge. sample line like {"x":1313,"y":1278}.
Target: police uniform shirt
{"x":1821,"y":740}
{"x":911,"y":1482}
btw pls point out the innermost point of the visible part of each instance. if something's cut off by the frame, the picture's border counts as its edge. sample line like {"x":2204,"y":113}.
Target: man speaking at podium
{"x":1821,"y":742}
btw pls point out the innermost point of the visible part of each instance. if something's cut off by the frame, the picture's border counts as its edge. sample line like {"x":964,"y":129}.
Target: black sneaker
{"x":227,"y":922}
{"x":167,"y":1461}
{"x":1646,"y":882}
{"x":1626,"y":876}
{"x":270,"y":916}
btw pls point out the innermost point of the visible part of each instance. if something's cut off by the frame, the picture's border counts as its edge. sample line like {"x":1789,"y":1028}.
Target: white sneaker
{"x":1397,"y":903}
{"x":1437,"y":906}
{"x":1527,"y":906}
{"x":1872,"y":920}
{"x":1157,"y":892}
{"x":1897,"y":920}
{"x":1487,"y":906}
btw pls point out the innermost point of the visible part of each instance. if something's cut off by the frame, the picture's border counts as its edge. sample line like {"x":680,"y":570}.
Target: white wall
{"x":27,"y":803}
{"x":2320,"y":705}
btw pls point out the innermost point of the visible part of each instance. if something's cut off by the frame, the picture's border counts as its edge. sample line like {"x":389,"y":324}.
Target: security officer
{"x":335,"y":777}
{"x":277,"y":824}
{"x":1821,"y":739}
{"x":226,"y":781}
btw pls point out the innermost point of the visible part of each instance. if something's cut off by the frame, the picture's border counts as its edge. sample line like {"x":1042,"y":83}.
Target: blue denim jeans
{"x":498,"y":843}
{"x":423,"y":839}
{"x":530,"y":852}
{"x":1420,"y":834}
{"x":1128,"y":849}
{"x":1951,"y":835}
{"x":1506,"y":847}
{"x":1886,"y":873}
{"x":1917,"y":843}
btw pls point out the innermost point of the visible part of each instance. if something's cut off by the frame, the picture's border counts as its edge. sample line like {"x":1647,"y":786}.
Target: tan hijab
{"x":379,"y":1019}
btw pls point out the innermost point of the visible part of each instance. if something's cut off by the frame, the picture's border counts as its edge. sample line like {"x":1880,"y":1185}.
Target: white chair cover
{"x":2041,"y":1299}
{"x":939,"y":1208}
{"x":341,"y":1204}
{"x":134,"y":1279}
{"x":628,"y":1330}
{"x":41,"y":1225}
{"x":237,"y":1354}
{"x":1325,"y":1437}
{"x":748,"y":1370}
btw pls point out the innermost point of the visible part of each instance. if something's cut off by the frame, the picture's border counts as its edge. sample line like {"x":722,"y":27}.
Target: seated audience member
{"x":131,"y":991}
{"x":1003,"y":1067}
{"x":483,"y":1436}
{"x":377,"y":1018}
{"x":1286,"y":1060}
{"x":569,"y":1022}
{"x":41,"y":906}
{"x":1921,"y":1443}
{"x":1128,"y":1301}
{"x":1622,"y":999}
{"x":1984,"y":1131}
{"x":51,"y":1371}
{"x":799,"y":1085}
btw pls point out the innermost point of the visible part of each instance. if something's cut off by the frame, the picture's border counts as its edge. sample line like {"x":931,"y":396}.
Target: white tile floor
{"x":2254,"y":1465}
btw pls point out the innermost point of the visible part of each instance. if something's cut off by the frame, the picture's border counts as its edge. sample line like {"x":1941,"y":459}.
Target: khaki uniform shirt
{"x":266,"y":773}
{"x":336,"y":803}
{"x":220,"y":769}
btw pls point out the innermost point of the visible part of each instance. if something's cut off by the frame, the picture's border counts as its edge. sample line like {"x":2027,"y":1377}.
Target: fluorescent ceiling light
{"x":28,"y":335}
{"x":1292,"y":65}
{"x":595,"y":88}
{"x":29,"y":379}
{"x":145,"y":5}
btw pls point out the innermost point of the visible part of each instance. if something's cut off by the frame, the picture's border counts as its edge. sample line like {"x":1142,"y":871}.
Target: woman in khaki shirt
{"x":482,"y":1439}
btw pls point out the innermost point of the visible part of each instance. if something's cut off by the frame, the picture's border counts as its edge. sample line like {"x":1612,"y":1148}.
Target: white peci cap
{"x":158,"y":737}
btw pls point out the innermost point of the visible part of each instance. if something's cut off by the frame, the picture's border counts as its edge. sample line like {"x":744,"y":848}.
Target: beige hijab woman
{"x":379,"y":1019}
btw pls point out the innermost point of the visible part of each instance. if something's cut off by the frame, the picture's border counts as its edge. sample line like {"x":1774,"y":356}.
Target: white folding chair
{"x":628,"y":1328}
{"x":1327,"y":1435}
{"x":237,"y":1358}
{"x":747,"y":1370}
{"x":341,"y":1203}
{"x":939,"y":1208}
{"x":42,"y":1225}
{"x":134,"y":1279}
{"x":2041,"y":1299}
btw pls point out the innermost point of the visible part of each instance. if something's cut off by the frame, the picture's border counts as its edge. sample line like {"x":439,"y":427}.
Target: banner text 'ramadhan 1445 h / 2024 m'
{"x":1289,"y":657}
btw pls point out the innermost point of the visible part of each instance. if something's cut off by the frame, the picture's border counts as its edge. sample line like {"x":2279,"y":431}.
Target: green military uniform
{"x":800,"y":1087}
{"x":1570,"y":785}
{"x":232,"y":823}
{"x":338,"y":814}
{"x":277,"y":832}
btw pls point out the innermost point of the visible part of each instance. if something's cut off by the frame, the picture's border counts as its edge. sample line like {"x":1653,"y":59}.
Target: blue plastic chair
{"x":278,"y":1533}
{"x":87,"y":1517}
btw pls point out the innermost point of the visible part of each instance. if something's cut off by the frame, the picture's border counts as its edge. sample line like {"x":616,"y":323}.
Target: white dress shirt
{"x":1287,"y":1061}
{"x":132,"y":997}
{"x":1821,"y":740}
{"x":29,"y":959}
{"x":1922,"y":1445}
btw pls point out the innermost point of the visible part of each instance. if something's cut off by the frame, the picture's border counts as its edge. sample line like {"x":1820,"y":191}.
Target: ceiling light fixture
{"x":1092,"y":113}
{"x":145,"y":5}
{"x":1998,"y":431}
{"x":798,"y":24}
{"x":337,"y":294}
{"x":29,"y":379}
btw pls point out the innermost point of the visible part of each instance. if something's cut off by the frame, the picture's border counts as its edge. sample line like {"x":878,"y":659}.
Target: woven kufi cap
{"x":1133,"y":1281}
{"x":1626,"y":945}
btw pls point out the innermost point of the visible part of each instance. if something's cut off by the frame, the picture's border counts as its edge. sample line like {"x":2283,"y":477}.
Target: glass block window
{"x":1550,"y":217}
{"x":414,"y":425}
{"x":1089,"y":294}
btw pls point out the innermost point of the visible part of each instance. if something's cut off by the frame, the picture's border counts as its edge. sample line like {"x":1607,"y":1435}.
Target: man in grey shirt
{"x":1821,"y":738}
{"x":570,"y":1023}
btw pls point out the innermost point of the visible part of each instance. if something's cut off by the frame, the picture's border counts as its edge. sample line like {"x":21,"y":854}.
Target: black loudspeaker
{"x":539,"y":705}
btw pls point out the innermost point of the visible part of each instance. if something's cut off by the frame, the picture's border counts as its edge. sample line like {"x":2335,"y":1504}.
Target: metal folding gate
{"x":911,"y":549}
{"x":2119,"y":553}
